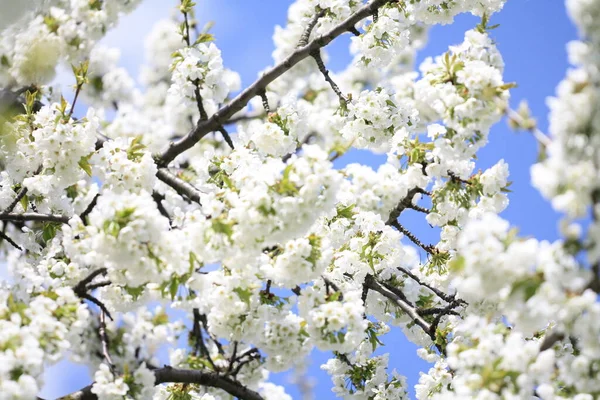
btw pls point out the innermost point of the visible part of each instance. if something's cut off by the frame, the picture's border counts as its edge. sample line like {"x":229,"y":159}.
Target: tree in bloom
{"x":180,"y":210}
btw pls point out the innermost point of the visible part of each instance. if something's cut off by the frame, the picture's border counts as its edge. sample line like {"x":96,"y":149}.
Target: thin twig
{"x":158,"y":199}
{"x":232,"y":358}
{"x":89,"y":208}
{"x":77,"y":91}
{"x":104,"y":340}
{"x":404,"y":204}
{"x":550,"y":339}
{"x":325,"y":72}
{"x":265,"y":101}
{"x":98,"y":303}
{"x":4,"y":236}
{"x":16,"y":200}
{"x":427,"y":247}
{"x":419,"y":208}
{"x":438,"y":292}
{"x":226,"y":136}
{"x":540,"y":136}
{"x":309,"y":28}
{"x":82,"y":285}
{"x":372,"y":284}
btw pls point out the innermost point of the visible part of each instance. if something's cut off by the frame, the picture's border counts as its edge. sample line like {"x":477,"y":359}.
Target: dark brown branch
{"x":438,"y":292}
{"x":252,"y":354}
{"x":265,"y":101}
{"x":187,"y":39}
{"x":298,"y":147}
{"x":550,"y":339}
{"x":325,"y":72}
{"x":427,"y":247}
{"x":77,"y":91}
{"x":240,"y":101}
{"x":34,"y":217}
{"x":204,"y":321}
{"x":354,"y":31}
{"x":174,"y":375}
{"x":595,"y":268}
{"x":179,"y":185}
{"x":4,"y":236}
{"x":14,"y":203}
{"x":97,"y":302}
{"x":200,"y":105}
{"x":403,"y":204}
{"x":89,"y":208}
{"x":233,"y":357}
{"x":397,"y":291}
{"x":104,"y":340}
{"x":98,"y":285}
{"x":82,"y":288}
{"x":372,"y":284}
{"x":226,"y":136}
{"x":309,"y":28}
{"x":419,"y":208}
{"x":329,"y":283}
{"x":457,"y":178}
{"x":82,"y":285}
{"x":236,"y":389}
{"x":200,"y":346}
{"x":158,"y":198}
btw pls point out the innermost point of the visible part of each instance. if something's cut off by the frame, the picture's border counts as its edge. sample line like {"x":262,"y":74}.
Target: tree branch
{"x":309,"y":28}
{"x":405,"y":203}
{"x":89,"y":208}
{"x":14,"y":203}
{"x":34,"y":217}
{"x":174,"y":375}
{"x":240,"y":101}
{"x":372,"y":284}
{"x":14,"y":244}
{"x":520,"y":122}
{"x":427,"y":247}
{"x":439,"y":293}
{"x":265,"y":101}
{"x":179,"y":185}
{"x":325,"y":72}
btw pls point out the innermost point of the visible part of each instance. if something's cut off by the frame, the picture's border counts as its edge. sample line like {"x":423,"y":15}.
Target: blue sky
{"x":532,"y":38}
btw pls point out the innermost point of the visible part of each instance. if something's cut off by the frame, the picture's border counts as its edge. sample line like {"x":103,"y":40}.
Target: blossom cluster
{"x":259,"y":247}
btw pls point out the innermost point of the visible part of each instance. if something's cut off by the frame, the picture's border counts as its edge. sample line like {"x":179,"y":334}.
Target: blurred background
{"x":532,"y":36}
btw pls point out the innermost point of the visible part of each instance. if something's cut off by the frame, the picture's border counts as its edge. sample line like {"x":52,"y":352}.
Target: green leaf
{"x":244,"y":294}
{"x":95,"y":5}
{"x":51,"y":23}
{"x":204,"y":38}
{"x":84,"y":163}
{"x":49,"y":231}
{"x":220,"y":226}
{"x":135,"y":292}
{"x":457,"y":264}
{"x":24,"y":203}
{"x":208,"y":26}
{"x":335,"y":296}
{"x":173,"y":287}
{"x":528,"y":286}
{"x":345,"y":212}
{"x":285,"y":187}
